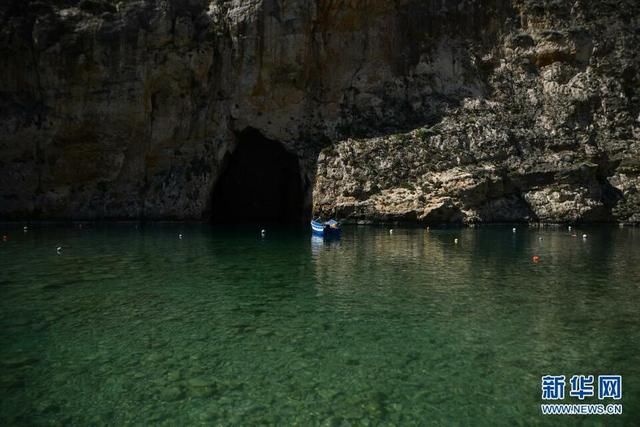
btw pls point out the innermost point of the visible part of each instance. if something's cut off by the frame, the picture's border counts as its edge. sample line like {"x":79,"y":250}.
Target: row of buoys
{"x":514,"y":229}
{"x":536,"y":258}
{"x":263,"y":233}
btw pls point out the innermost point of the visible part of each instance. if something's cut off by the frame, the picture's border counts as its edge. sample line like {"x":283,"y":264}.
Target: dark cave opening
{"x":261,"y":182}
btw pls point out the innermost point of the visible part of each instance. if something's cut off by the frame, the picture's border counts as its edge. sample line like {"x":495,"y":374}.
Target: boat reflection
{"x":319,"y":244}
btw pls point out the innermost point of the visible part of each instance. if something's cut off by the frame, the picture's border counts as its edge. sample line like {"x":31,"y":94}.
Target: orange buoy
{"x":535,"y":258}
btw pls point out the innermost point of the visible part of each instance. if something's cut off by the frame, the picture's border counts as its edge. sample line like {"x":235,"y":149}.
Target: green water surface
{"x":131,"y":325}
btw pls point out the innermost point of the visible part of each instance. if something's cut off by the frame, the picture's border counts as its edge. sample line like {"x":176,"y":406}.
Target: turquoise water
{"x":132,"y":325}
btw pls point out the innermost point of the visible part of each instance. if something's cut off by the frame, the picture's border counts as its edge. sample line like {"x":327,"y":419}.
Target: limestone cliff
{"x":425,"y":110}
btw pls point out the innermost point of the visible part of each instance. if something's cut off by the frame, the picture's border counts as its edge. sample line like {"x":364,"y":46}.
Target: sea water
{"x":131,"y":324}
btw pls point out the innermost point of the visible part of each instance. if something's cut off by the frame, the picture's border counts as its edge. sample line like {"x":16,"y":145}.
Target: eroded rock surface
{"x":397,"y":110}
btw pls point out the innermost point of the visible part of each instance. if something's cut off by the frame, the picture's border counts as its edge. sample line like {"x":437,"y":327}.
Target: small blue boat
{"x":329,"y":228}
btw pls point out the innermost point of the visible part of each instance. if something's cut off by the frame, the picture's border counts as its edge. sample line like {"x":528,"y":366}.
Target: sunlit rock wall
{"x":398,"y":110}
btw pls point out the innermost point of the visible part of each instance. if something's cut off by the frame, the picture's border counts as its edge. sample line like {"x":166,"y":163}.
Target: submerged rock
{"x":174,"y":376}
{"x":12,"y":380}
{"x":200,"y":387}
{"x":19,"y":361}
{"x":171,"y":393}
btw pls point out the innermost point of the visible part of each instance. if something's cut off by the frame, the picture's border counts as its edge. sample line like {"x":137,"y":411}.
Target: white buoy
{"x":428,"y":228}
{"x":391,"y":231}
{"x":180,"y":236}
{"x":25,"y":229}
{"x":455,"y":241}
{"x":569,"y":228}
{"x":540,"y":239}
{"x":584,"y":236}
{"x":513,"y":229}
{"x":263,"y":232}
{"x":59,"y":249}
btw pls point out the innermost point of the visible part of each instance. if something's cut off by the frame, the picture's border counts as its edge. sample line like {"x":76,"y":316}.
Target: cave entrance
{"x":261,"y":182}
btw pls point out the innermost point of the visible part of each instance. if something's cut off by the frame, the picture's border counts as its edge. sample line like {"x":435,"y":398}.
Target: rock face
{"x":425,"y":110}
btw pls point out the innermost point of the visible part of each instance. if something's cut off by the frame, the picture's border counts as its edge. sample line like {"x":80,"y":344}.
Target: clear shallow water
{"x":135,"y":326}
